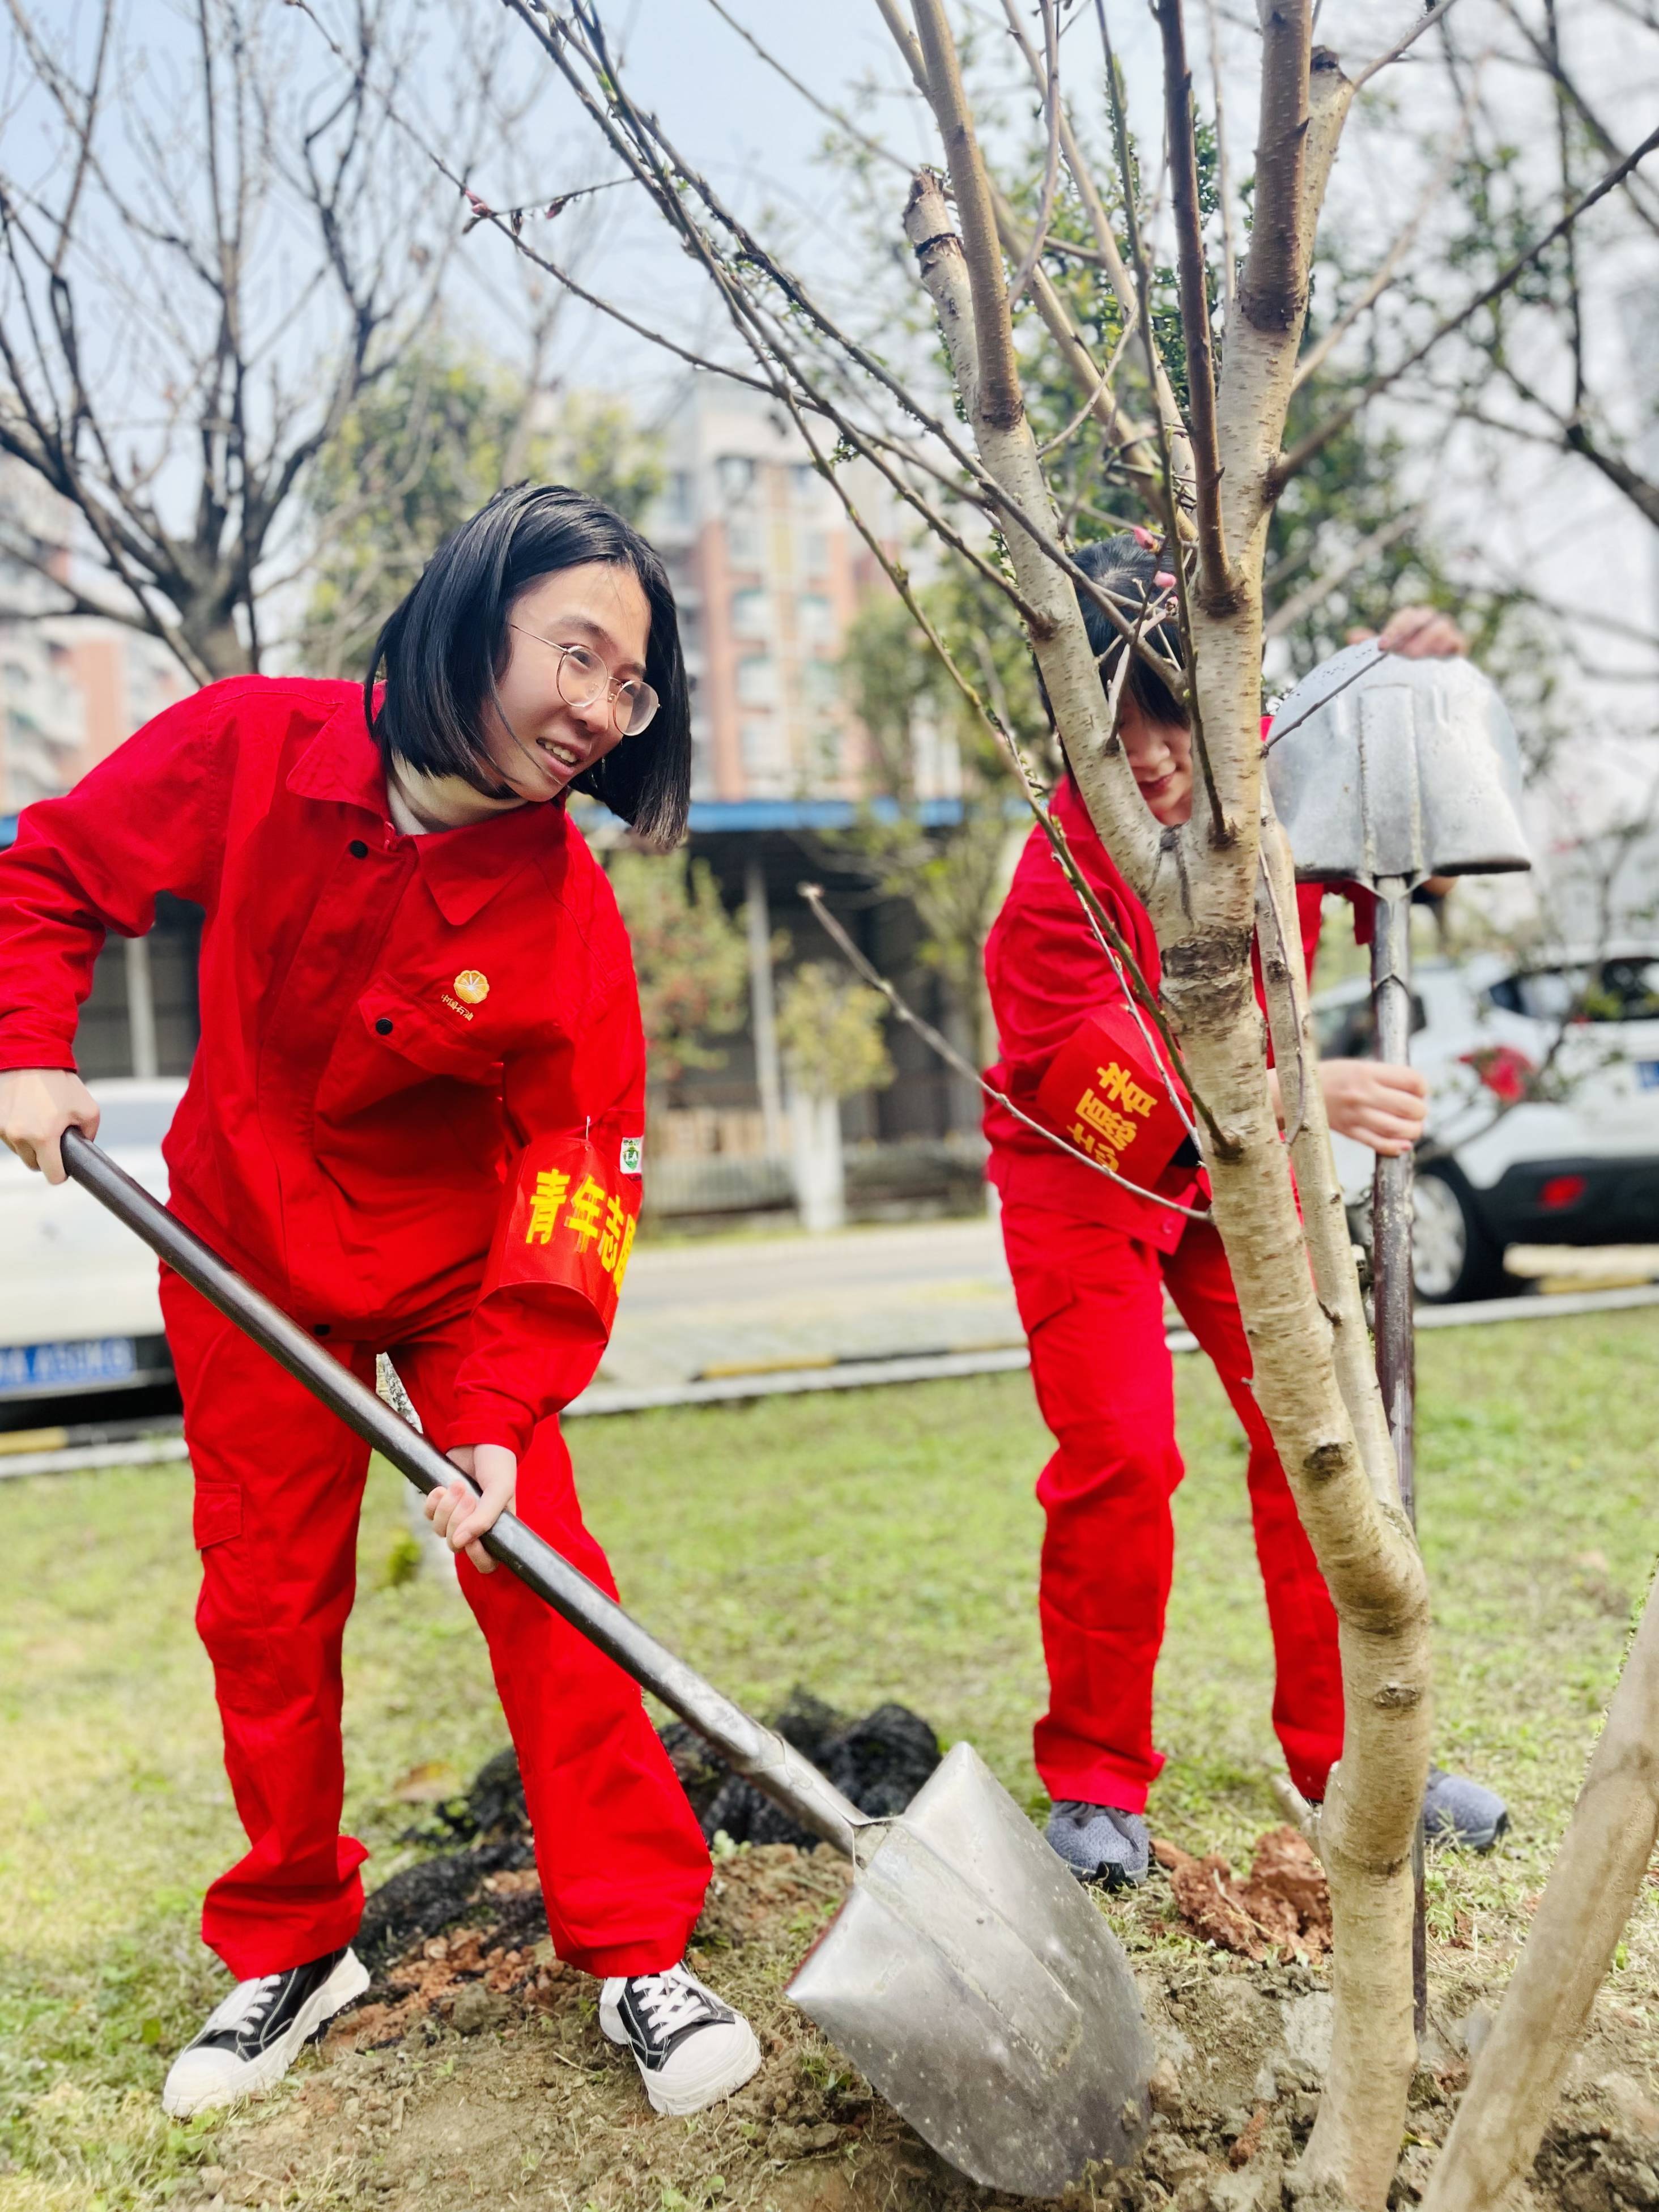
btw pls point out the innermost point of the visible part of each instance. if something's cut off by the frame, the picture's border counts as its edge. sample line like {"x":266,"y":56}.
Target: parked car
{"x":79,"y":1312}
{"x":1544,"y":1108}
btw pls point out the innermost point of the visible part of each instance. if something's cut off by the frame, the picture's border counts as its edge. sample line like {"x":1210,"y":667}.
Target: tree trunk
{"x":216,"y":645}
{"x":1199,"y":886}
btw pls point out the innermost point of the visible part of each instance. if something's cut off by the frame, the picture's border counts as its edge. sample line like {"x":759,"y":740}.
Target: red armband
{"x":571,"y":1221}
{"x":1108,"y":1094}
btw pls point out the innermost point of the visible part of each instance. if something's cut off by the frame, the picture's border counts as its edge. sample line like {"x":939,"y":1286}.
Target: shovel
{"x":1385,"y":771}
{"x":968,"y":1976}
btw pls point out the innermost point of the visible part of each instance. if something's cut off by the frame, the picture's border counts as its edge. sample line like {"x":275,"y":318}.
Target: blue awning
{"x":753,"y":814}
{"x":723,"y":815}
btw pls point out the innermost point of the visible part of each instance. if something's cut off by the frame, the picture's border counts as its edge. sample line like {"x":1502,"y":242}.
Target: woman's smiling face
{"x":544,"y":742}
{"x":1161,"y":755}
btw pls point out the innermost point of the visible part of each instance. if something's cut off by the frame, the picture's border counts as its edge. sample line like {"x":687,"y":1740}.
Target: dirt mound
{"x":430,"y":1896}
{"x":880,"y":1762}
{"x":1283,"y":1910}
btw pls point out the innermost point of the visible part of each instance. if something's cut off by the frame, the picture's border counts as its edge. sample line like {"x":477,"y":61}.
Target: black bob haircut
{"x":445,"y":648}
{"x":1128,"y":570}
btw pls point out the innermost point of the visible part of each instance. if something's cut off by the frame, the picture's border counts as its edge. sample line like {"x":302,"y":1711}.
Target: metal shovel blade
{"x":972,"y":1980}
{"x":1381,"y":767}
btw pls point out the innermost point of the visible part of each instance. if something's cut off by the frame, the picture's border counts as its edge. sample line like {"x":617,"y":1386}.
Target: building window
{"x":751,"y":614}
{"x":742,"y":544}
{"x":765,"y":759}
{"x":816,"y":549}
{"x":821,"y":685}
{"x":735,"y":476}
{"x":757,"y":683}
{"x":818,"y":619}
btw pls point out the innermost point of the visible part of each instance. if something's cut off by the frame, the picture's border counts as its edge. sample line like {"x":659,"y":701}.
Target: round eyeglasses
{"x":583,"y":679}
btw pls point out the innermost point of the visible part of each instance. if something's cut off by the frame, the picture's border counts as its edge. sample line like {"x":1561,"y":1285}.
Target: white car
{"x":78,"y":1305}
{"x":1544,"y":1107}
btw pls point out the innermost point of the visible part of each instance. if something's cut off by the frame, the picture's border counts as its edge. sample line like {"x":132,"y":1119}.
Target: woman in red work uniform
{"x":414,"y":1120}
{"x":1090,"y":1262}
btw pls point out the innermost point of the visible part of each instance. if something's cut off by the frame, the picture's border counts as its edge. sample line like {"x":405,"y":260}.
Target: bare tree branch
{"x":843,"y":122}
{"x":1317,"y":440}
{"x":1223,"y":178}
{"x":1274,"y":291}
{"x":1424,"y":22}
{"x":1216,"y":579}
{"x":996,"y":394}
{"x":1315,"y":357}
{"x":1290,"y":612}
{"x":937,"y":1042}
{"x":160,"y":261}
{"x":1051,"y":156}
{"x":1547,"y":53}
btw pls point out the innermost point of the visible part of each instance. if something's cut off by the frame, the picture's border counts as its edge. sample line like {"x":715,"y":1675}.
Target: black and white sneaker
{"x":692,"y":2048}
{"x":253,"y":2037}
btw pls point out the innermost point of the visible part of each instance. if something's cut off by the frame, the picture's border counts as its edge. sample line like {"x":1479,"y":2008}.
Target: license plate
{"x":67,"y":1366}
{"x":1647,"y":1074}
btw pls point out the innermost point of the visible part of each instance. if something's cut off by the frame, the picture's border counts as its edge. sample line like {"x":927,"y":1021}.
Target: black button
{"x":357,"y":849}
{"x":383,"y":1027}
{"x":321,"y":1329}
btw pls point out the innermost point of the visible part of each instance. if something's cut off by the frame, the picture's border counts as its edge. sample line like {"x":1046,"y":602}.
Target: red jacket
{"x":1047,"y":975}
{"x":404,"y":1041}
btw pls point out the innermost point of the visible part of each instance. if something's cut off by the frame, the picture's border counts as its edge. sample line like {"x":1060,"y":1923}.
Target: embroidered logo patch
{"x":632,"y":1158}
{"x":473,"y":986}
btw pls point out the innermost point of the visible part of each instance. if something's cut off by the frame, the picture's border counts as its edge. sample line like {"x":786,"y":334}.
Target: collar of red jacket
{"x":462,"y":869}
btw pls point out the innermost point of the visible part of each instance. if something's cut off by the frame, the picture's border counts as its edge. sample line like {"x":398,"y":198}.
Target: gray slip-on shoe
{"x":1461,"y":1812}
{"x":1099,"y":1843}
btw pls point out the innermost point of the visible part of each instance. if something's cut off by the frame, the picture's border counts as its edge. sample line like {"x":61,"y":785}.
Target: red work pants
{"x":1091,"y":1300}
{"x":279,"y":1481}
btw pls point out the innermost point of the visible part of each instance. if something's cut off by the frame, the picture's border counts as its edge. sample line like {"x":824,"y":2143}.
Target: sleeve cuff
{"x":18,"y":1049}
{"x":483,"y":1418}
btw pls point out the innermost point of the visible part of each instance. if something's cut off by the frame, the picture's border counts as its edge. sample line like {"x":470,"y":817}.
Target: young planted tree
{"x":1198,"y":436}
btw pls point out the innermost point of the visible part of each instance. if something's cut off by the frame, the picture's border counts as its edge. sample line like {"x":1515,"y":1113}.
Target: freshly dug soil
{"x":475,"y":2072}
{"x":880,"y":1762}
{"x":1283,"y":1911}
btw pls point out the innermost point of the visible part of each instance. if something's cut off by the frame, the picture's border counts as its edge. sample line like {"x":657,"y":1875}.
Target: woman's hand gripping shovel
{"x":967,"y":1975}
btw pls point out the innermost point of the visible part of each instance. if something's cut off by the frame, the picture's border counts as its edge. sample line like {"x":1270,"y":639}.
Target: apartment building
{"x":767,"y":572}
{"x":71,"y":688}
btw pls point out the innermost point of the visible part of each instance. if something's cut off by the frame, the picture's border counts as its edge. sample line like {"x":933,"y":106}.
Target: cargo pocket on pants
{"x":217,"y":1515}
{"x":1040,"y":1294}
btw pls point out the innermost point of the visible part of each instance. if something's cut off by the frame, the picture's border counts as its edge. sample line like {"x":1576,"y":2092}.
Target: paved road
{"x":749,"y":1316}
{"x":704,"y":1311}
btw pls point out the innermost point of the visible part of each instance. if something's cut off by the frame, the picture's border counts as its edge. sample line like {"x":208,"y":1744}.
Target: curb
{"x":596,"y":1403}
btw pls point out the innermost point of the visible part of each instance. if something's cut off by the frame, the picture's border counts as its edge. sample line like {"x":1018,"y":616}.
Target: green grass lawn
{"x":869,"y":1545}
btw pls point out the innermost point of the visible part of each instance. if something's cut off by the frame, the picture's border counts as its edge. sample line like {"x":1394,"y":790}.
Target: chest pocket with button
{"x":412,"y":1091}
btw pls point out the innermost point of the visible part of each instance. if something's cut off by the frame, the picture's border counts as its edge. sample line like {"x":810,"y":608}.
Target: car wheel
{"x":1452,"y":1256}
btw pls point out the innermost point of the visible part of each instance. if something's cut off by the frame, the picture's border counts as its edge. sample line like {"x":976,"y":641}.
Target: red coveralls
{"x":412,"y":1049}
{"x":1090,"y":1262}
